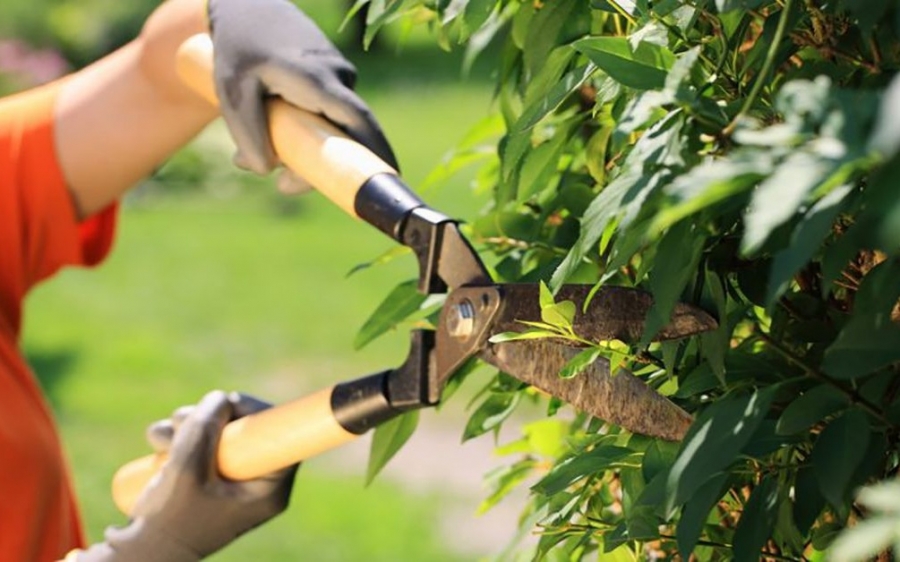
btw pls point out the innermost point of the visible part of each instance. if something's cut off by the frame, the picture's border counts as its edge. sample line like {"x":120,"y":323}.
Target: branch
{"x":844,"y":387}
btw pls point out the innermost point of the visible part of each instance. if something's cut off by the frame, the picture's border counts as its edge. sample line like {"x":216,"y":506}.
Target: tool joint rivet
{"x":461,"y":320}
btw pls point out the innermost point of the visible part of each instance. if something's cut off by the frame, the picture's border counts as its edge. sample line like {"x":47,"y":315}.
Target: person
{"x":68,"y":151}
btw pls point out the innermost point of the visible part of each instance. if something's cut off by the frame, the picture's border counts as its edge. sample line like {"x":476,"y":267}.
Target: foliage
{"x":81,"y":31}
{"x":737,"y":154}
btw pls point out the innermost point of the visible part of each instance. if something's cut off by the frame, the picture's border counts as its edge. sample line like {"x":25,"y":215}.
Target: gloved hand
{"x":267,"y":48}
{"x":188,"y":510}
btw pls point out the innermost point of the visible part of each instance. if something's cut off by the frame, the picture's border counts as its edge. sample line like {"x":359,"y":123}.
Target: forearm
{"x":119,"y":118}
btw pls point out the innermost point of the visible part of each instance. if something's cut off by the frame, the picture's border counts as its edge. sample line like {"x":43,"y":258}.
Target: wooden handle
{"x":309,"y":145}
{"x":254,"y":445}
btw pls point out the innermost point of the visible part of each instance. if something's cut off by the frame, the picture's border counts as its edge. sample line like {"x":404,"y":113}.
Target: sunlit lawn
{"x":244,"y":291}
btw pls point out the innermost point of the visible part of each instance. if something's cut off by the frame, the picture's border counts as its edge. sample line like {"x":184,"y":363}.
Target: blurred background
{"x":217,"y":281}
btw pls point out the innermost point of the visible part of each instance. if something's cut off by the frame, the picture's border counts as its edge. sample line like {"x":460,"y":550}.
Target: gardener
{"x":68,"y":151}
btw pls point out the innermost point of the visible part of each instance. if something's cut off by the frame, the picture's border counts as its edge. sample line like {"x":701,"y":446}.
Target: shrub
{"x":737,"y":154}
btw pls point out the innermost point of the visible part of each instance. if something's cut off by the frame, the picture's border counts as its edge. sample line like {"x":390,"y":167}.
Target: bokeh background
{"x":218,"y":281}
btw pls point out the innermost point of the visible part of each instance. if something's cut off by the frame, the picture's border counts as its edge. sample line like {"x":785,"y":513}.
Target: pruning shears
{"x":475,"y":312}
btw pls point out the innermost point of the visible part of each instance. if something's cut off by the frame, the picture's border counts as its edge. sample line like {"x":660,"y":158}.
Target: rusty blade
{"x":621,"y":399}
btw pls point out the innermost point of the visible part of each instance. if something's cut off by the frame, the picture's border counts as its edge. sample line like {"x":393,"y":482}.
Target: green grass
{"x":235,"y":288}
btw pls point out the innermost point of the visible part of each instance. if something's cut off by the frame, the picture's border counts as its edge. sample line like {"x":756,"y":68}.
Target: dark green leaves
{"x":757,"y":520}
{"x":870,"y":340}
{"x":807,"y":238}
{"x":714,"y":442}
{"x":712,"y":153}
{"x":642,"y":67}
{"x":696,"y":512}
{"x":838,"y":452}
{"x":777,"y":198}
{"x":812,"y":407}
{"x":676,"y":265}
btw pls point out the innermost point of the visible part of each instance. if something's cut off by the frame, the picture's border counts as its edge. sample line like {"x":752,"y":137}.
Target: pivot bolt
{"x":461,"y":320}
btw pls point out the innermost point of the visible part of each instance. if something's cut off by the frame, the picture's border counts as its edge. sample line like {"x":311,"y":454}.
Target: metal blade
{"x":458,"y":264}
{"x":613,"y":313}
{"x":621,"y":399}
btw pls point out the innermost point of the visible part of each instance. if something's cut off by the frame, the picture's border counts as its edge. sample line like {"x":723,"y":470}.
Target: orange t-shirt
{"x":39,"y":234}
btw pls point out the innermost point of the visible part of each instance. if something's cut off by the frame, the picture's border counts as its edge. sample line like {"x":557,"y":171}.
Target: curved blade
{"x":612,"y":313}
{"x":621,"y":399}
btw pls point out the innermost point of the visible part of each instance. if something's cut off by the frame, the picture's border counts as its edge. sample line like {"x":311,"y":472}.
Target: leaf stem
{"x":763,"y":77}
{"x":846,"y":388}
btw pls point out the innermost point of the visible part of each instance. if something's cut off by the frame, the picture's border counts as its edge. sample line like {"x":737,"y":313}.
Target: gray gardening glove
{"x":188,"y":511}
{"x":266,"y":48}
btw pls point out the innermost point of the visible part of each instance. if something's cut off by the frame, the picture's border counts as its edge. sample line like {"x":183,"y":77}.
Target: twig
{"x":854,"y":396}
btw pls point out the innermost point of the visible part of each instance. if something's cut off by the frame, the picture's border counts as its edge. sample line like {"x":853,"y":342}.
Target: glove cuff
{"x":139,"y":542}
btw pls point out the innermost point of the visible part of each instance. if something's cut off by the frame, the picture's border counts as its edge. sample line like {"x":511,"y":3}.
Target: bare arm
{"x":119,"y":118}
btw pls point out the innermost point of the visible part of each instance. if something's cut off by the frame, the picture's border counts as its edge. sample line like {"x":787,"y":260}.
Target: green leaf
{"x":766,"y":441}
{"x":711,"y":182}
{"x":870,"y":340}
{"x":387,"y":439}
{"x":547,"y":437}
{"x":545,"y":296}
{"x":642,"y":523}
{"x":559,"y":315}
{"x":580,"y":362}
{"x":545,"y":104}
{"x":401,"y":303}
{"x":491,"y":413}
{"x":387,"y":257}
{"x":642,"y":68}
{"x":624,"y":197}
{"x":546,"y":30}
{"x":602,"y":210}
{"x":757,"y":521}
{"x":477,"y":13}
{"x":621,"y":554}
{"x":879,"y":290}
{"x":556,"y":314}
{"x":808,"y":499}
{"x":675,"y":266}
{"x":504,"y":480}
{"x":837,"y":453}
{"x":786,"y":531}
{"x":776,"y":199}
{"x":678,"y":84}
{"x":381,"y":12}
{"x":526,"y":335}
{"x":643,"y":108}
{"x":696,"y":512}
{"x":697,"y":381}
{"x":714,"y":345}
{"x":577,"y":467}
{"x":658,"y":457}
{"x":539,"y":165}
{"x":806,"y":239}
{"x":811,"y":407}
{"x":714,"y":441}
{"x":867,"y":342}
